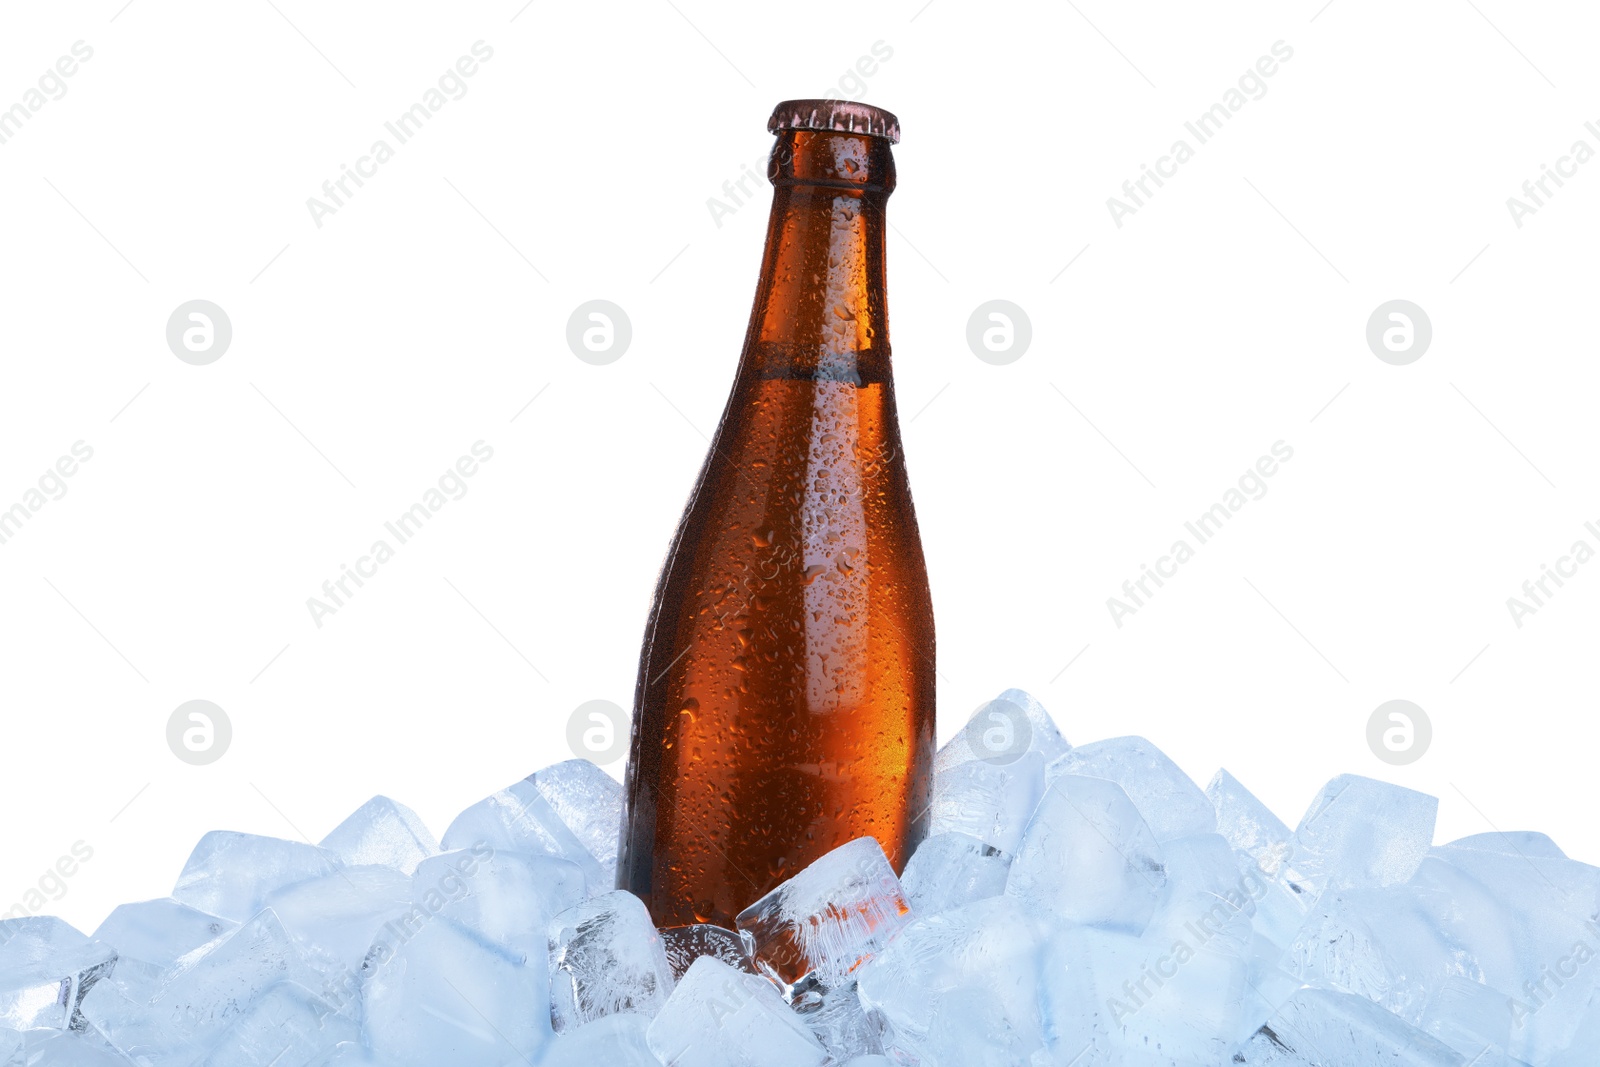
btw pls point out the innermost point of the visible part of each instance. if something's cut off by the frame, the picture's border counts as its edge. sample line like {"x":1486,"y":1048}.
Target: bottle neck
{"x":820,"y":309}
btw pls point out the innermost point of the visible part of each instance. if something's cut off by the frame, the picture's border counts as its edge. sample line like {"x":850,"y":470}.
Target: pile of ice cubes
{"x":1074,"y":907}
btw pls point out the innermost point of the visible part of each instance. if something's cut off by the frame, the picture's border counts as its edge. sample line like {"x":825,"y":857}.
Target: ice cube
{"x":505,"y":897}
{"x":338,"y":915}
{"x":446,"y":996}
{"x":828,"y":918}
{"x":721,"y":1017}
{"x":572,"y":810}
{"x":1540,"y":941}
{"x":1168,"y":800}
{"x":1248,"y":824}
{"x":685,"y":944}
{"x":837,"y":1019}
{"x":10,"y":1047}
{"x":287,"y":1026}
{"x":870,"y":1061}
{"x":1001,"y":731}
{"x":611,"y":1041}
{"x":987,"y":945}
{"x":231,"y":874}
{"x":1484,"y":931}
{"x":588,"y":801}
{"x":988,"y":801}
{"x":1376,"y":943}
{"x":1205,"y":868}
{"x":1361,"y":833}
{"x":382,"y":832}
{"x":1581,"y":1052}
{"x":1183,"y":986}
{"x":175,"y":1021}
{"x":212,"y":991}
{"x":351,"y":1054}
{"x":1088,"y":857}
{"x":605,"y":957}
{"x":952,"y":869}
{"x":1471,"y":1017}
{"x":46,"y":969}
{"x":971,"y":1028}
{"x":1318,"y":1028}
{"x":159,"y":932}
{"x":63,"y":1049}
{"x":120,"y":1012}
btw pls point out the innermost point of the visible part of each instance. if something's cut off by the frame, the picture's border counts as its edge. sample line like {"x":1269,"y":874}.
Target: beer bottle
{"x":785,"y":698}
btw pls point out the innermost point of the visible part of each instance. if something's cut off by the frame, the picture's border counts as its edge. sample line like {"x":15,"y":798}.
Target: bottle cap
{"x":842,"y":115}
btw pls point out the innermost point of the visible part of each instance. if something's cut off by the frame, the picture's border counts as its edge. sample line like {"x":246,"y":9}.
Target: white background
{"x":368,"y":354}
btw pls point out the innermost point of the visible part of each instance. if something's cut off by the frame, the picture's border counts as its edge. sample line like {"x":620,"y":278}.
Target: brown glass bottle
{"x":785,"y":700}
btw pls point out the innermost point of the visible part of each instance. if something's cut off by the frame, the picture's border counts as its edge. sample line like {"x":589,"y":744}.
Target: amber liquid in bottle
{"x":785,"y":699}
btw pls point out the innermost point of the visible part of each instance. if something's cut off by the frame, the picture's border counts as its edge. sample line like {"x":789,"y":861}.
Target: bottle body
{"x":785,"y":699}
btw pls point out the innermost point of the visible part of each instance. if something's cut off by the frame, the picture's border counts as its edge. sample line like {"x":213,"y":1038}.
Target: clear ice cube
{"x":572,"y":811}
{"x":828,"y":918}
{"x":721,"y":1017}
{"x":1088,"y":857}
{"x":1534,"y":932}
{"x":990,"y":945}
{"x":972,"y":1028}
{"x":1000,"y":731}
{"x":176,"y":1019}
{"x":1168,"y":800}
{"x":446,"y":996}
{"x":952,"y":869}
{"x":212,"y":991}
{"x":1360,"y":833}
{"x":231,"y":874}
{"x":1318,"y":1028}
{"x":837,"y":1019}
{"x":339,"y":915}
{"x":605,"y":958}
{"x":1471,"y":1018}
{"x":159,"y":933}
{"x":383,"y":833}
{"x":1376,"y":943}
{"x":1183,"y":985}
{"x":287,"y":1026}
{"x":46,"y":969}
{"x":63,"y":1049}
{"x":988,"y":801}
{"x":1248,"y":824}
{"x":610,"y":1041}
{"x":506,"y":897}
